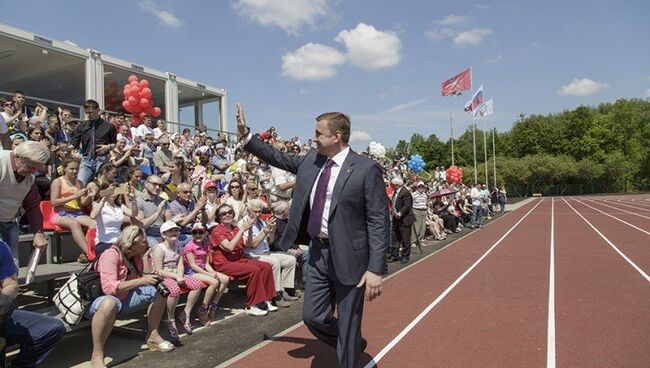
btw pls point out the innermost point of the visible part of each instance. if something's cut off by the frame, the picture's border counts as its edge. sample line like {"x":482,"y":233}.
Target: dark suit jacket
{"x":404,"y":205}
{"x":359,"y":226}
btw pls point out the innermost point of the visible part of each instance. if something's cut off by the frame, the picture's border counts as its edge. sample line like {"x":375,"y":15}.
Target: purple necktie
{"x":317,"y":208}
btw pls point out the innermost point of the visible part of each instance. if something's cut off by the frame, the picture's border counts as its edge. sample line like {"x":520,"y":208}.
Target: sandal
{"x":212,"y":310}
{"x":171,"y":328}
{"x":185,"y":320}
{"x":203,"y":315}
{"x":83,"y":258}
{"x":162,"y":347}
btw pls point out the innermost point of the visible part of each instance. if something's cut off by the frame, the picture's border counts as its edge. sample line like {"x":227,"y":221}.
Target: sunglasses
{"x":231,"y":213}
{"x":198,"y":232}
{"x":165,"y":144}
{"x":235,"y":186}
{"x":185,"y":191}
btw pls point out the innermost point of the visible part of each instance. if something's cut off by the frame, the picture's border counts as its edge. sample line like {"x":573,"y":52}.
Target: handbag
{"x":69,"y":302}
{"x":89,"y":283}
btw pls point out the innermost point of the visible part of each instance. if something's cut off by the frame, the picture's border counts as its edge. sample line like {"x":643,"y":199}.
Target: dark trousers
{"x":36,"y":334}
{"x":322,"y":293}
{"x":403,"y":234}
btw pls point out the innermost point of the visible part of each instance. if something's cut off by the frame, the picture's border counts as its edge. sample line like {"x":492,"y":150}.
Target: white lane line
{"x":417,"y":319}
{"x":614,"y":217}
{"x":628,"y":205}
{"x":620,"y":209}
{"x":645,"y":275}
{"x":550,"y":341}
{"x":637,"y":203}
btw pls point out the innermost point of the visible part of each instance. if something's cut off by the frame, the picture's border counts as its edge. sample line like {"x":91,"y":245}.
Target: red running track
{"x":484,"y":301}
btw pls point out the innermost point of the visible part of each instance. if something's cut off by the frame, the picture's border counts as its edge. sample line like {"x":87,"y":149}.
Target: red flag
{"x":458,"y":83}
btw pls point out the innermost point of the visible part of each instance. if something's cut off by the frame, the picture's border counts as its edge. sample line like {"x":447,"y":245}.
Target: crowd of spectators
{"x":178,"y":213}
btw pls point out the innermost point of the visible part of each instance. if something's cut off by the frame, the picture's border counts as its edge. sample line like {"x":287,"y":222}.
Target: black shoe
{"x":362,"y":345}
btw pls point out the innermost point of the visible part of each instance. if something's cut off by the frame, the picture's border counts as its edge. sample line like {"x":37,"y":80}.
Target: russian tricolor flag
{"x":476,"y":100}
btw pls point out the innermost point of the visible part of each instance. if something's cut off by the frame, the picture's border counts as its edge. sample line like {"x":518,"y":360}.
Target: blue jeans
{"x":137,"y":299}
{"x":9,"y":233}
{"x":476,"y":215}
{"x":36,"y":334}
{"x":89,"y":167}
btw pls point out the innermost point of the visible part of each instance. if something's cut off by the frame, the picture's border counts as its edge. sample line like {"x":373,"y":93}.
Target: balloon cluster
{"x":416,"y":163}
{"x":377,"y":150}
{"x":454,"y":175}
{"x":137,"y":99}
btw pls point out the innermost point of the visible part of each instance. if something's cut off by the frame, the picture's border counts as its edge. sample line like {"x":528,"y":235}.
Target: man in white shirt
{"x":144,"y":128}
{"x":477,"y":204}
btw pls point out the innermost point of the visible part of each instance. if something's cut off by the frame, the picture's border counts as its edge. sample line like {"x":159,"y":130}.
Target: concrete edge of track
{"x":251,"y":350}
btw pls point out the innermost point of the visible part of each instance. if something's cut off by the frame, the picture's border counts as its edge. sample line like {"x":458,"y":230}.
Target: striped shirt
{"x":419,"y":200}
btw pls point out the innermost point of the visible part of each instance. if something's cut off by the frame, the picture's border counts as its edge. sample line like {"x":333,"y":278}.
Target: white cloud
{"x":369,"y":48}
{"x":289,"y":15}
{"x":582,"y":87}
{"x":166,"y":17}
{"x":472,"y":37}
{"x":438,"y":34}
{"x":454,"y":19}
{"x":647,"y":93}
{"x":312,"y":62}
{"x":360,"y":136}
{"x":407,"y":105}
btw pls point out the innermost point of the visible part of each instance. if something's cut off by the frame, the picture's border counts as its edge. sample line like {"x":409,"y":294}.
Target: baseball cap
{"x":168,"y":225}
{"x":210,"y":184}
{"x":420,"y":183}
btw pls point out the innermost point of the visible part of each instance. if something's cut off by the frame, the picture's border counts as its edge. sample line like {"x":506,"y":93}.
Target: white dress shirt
{"x":334,"y":173}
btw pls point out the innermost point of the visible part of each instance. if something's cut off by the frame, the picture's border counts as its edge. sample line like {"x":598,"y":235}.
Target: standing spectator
{"x":477,"y":205}
{"x":168,"y":264}
{"x":96,"y":138}
{"x":36,"y":333}
{"x":126,"y":290}
{"x":68,"y":198}
{"x":403,"y":218}
{"x":494,"y":199}
{"x":18,"y":185}
{"x":163,"y":157}
{"x":227,"y":256}
{"x":195,"y":256}
{"x":503,"y":197}
{"x":420,"y":212}
{"x":256,"y":245}
{"x":153,"y":210}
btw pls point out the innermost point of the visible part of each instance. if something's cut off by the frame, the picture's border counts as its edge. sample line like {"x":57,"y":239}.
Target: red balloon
{"x":133,"y":101}
{"x":133,"y":78}
{"x":156,"y":111}
{"x":134,"y":90}
{"x":146,"y":92}
{"x":142,"y":115}
{"x":144,"y":103}
{"x":125,"y":105}
{"x":144,"y":83}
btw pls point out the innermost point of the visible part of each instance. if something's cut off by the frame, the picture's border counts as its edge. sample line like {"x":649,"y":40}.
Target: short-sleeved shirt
{"x":219,"y":255}
{"x":199,"y":251}
{"x":178,"y":207}
{"x":113,"y":270}
{"x":147,"y":207}
{"x":7,"y":266}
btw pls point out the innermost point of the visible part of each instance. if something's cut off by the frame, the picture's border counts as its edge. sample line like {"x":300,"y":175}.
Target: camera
{"x":162,"y":289}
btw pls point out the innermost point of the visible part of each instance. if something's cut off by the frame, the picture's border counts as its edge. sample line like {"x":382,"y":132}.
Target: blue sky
{"x":379,"y":61}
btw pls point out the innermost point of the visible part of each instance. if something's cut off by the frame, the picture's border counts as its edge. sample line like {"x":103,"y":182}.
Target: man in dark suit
{"x":403,"y":219}
{"x":339,"y":204}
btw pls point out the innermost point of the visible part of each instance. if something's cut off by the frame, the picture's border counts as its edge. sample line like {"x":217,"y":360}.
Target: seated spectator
{"x":153,"y":210}
{"x":68,"y":198}
{"x":195,"y":256}
{"x":281,"y":213}
{"x":125,"y":133}
{"x":16,"y":139}
{"x":175,"y":144}
{"x":160,"y":129}
{"x":105,"y":178}
{"x":36,"y":334}
{"x":147,"y":150}
{"x":10,"y":117}
{"x":122,"y":158}
{"x":163,"y":157}
{"x":126,"y":290}
{"x":212,"y":201}
{"x":227,"y":256}
{"x":184,"y":211}
{"x":256,"y":245}
{"x":220,"y":161}
{"x":234,"y":198}
{"x":135,"y":177}
{"x":253,"y":192}
{"x":168,"y":263}
{"x":145,"y":129}
{"x":109,"y":214}
{"x":176,"y":175}
{"x":185,"y":135}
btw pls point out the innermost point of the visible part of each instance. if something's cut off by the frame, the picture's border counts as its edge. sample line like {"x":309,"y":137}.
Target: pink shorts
{"x":191,"y":283}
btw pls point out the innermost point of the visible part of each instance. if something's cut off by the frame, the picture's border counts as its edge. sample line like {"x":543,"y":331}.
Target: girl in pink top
{"x":196,"y":264}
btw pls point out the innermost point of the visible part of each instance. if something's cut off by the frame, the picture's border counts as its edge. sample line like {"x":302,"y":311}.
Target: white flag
{"x":484,"y":109}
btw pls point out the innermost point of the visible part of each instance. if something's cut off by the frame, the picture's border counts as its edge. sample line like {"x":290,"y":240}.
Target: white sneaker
{"x":271,"y":307}
{"x":255,"y":311}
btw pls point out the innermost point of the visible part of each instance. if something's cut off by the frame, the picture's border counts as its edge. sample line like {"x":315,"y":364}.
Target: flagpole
{"x":485,"y":153}
{"x":474,"y":147}
{"x":451,"y":126}
{"x":494,"y":154}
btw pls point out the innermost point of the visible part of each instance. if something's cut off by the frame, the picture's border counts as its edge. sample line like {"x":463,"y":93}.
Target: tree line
{"x":585,"y":150}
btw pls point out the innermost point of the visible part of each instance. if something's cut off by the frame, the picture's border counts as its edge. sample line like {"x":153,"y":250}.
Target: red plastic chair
{"x":46,"y":209}
{"x":90,"y":243}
